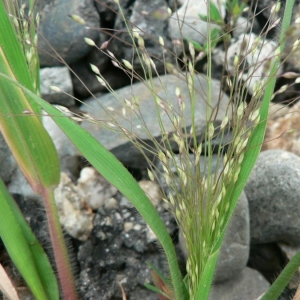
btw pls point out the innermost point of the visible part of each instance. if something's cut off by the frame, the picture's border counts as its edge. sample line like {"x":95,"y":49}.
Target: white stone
{"x":185,"y":22}
{"x":75,"y":214}
{"x":94,"y":187}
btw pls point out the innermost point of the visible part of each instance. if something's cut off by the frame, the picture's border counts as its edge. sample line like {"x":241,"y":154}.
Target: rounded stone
{"x":249,"y":284}
{"x":185,"y":22}
{"x":60,"y":32}
{"x":273,"y":191}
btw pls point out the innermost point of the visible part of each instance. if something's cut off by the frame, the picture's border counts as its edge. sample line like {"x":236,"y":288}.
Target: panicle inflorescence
{"x":25,"y":19}
{"x":198,"y":195}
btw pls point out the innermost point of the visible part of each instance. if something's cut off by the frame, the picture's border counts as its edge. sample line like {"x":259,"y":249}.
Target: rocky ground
{"x":109,"y":242}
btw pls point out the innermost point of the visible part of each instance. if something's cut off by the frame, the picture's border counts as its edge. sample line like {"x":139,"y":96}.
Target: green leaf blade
{"x":25,"y":250}
{"x":29,"y":141}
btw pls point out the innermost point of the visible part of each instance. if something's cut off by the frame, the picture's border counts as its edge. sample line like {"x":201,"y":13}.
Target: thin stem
{"x":59,"y":248}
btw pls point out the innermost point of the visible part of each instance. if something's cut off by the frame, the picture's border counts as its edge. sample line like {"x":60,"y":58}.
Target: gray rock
{"x":84,"y":79}
{"x":68,"y":154}
{"x":242,"y":26}
{"x":150,"y":19}
{"x":164,"y":88}
{"x":19,"y":185}
{"x":268,"y":259}
{"x":234,"y":252}
{"x":107,"y":9}
{"x":273,"y":193}
{"x":59,"y":77}
{"x":7,"y":162}
{"x":66,"y":36}
{"x":185,"y":22}
{"x":248,"y":285}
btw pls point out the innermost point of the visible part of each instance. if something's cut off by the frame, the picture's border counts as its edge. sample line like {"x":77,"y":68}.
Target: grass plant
{"x":201,"y":202}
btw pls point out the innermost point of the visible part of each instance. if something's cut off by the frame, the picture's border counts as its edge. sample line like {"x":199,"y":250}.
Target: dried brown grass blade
{"x":6,"y":286}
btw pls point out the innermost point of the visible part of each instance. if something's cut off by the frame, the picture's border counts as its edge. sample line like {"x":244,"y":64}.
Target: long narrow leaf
{"x":41,"y":261}
{"x":283,"y":279}
{"x":27,"y":138}
{"x":18,"y":247}
{"x":30,"y":143}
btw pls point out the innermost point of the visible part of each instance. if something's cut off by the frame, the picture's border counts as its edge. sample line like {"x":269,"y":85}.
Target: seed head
{"x":226,"y":170}
{"x":127,"y":64}
{"x":282,"y":89}
{"x":236,"y":174}
{"x":136,"y":32}
{"x":192,"y":49}
{"x":276,"y":8}
{"x":224,"y":122}
{"x":181,"y":146}
{"x":198,"y":153}
{"x":128,"y":104}
{"x":182,"y":176}
{"x":240,"y":110}
{"x":90,"y":42}
{"x":135,"y":101}
{"x":177,"y":214}
{"x":211,"y":130}
{"x":141,"y":43}
{"x":168,"y":179}
{"x":78,"y":19}
{"x":219,"y":199}
{"x":152,"y":64}
{"x":162,"y":157}
{"x":55,"y":88}
{"x":161,"y":41}
{"x":150,"y":174}
{"x":241,"y":158}
{"x":295,"y":45}
{"x":254,"y":115}
{"x":236,"y":60}
{"x":213,"y":226}
{"x":102,"y":82}
{"x":95,"y":69}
